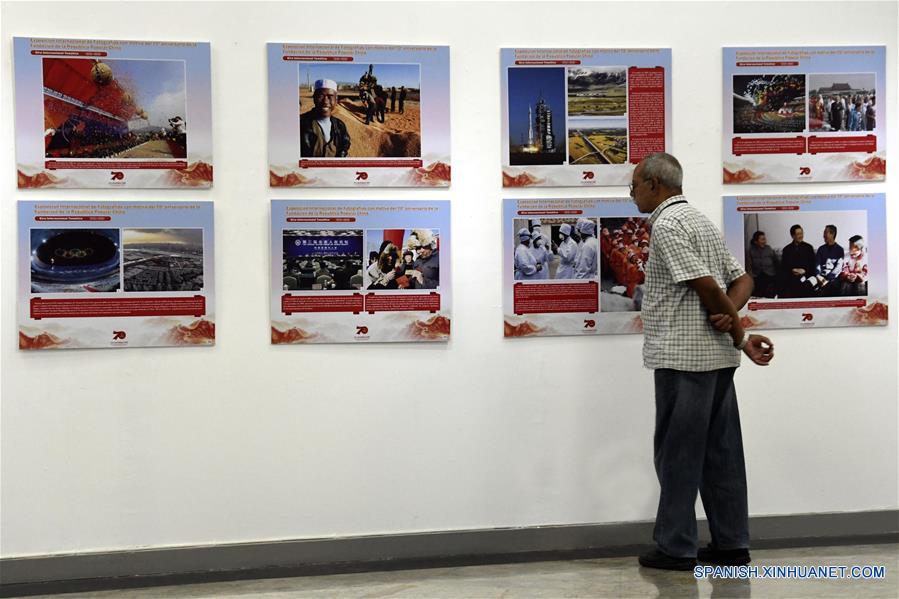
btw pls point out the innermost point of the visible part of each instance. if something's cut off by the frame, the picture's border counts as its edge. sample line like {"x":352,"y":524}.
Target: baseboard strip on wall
{"x":214,"y":563}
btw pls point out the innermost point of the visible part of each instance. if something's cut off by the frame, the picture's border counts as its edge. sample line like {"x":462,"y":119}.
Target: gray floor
{"x":619,"y":577}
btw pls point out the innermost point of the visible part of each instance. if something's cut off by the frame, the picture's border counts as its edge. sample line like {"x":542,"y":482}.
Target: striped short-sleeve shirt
{"x":684,"y":245}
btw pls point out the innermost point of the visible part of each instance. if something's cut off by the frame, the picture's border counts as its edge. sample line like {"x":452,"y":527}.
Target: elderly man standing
{"x":323,"y":135}
{"x":692,"y":341}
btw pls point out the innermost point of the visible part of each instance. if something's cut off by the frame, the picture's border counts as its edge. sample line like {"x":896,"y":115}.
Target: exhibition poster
{"x":573,"y":266}
{"x":113,"y":113}
{"x":582,"y":116}
{"x":804,"y":114}
{"x":115,"y":274}
{"x":816,"y":260}
{"x":360,"y":272}
{"x":349,"y":115}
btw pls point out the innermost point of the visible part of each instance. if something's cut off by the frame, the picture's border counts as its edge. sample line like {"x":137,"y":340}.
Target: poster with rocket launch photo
{"x":582,"y":117}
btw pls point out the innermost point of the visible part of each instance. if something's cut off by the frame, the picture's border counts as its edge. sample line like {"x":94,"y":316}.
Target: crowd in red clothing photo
{"x":624,"y":246}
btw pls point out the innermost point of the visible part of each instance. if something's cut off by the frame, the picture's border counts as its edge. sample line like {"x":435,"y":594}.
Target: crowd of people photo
{"x":331,"y":273}
{"x":801,"y":271}
{"x":82,"y":138}
{"x":415,"y":264}
{"x":572,"y":255}
{"x":842,"y":112}
{"x":376,"y":98}
{"x":322,"y":260}
{"x":624,"y":245}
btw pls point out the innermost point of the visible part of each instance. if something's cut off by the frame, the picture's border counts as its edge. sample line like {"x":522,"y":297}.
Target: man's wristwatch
{"x":743,"y":343}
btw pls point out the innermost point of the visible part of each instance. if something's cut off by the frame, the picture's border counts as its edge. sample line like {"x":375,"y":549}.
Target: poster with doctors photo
{"x":352,"y":115}
{"x":816,"y":260}
{"x":804,"y":114}
{"x":112,"y":113}
{"x":360,"y":272}
{"x":115,"y":274}
{"x":582,"y":116}
{"x":573,"y":266}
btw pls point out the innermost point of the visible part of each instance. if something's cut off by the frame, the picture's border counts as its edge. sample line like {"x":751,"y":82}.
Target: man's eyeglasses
{"x":635,"y":184}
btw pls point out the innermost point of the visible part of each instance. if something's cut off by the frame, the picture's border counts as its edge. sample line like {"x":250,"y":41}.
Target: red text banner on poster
{"x":98,"y":165}
{"x":66,"y":53}
{"x":645,"y":112}
{"x":788,"y":63}
{"x":766,"y":208}
{"x":771,"y":145}
{"x":44,"y":219}
{"x":321,"y":303}
{"x":116,"y":307}
{"x":319,"y":58}
{"x":859,"y":143}
{"x":411,"y":163}
{"x":548,"y":212}
{"x":336,"y":219}
{"x":547,"y":62}
{"x":548,"y":298}
{"x":402,"y":303}
{"x":856,"y":303}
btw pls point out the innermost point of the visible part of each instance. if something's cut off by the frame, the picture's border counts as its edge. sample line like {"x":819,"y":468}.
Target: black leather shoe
{"x":723,"y":557}
{"x":663,"y":561}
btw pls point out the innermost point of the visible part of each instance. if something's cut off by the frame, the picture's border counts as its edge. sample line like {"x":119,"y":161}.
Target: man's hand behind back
{"x":759,"y":349}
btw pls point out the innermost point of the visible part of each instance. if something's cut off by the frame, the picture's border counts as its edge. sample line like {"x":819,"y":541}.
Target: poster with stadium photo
{"x":115,"y":274}
{"x":582,"y":117}
{"x":815,"y":260}
{"x":360,"y":272}
{"x":358,"y":116}
{"x":804,"y":114}
{"x":573,"y":266}
{"x":112,"y":114}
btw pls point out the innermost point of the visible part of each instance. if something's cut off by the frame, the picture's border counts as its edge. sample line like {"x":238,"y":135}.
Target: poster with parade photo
{"x":816,"y":260}
{"x":115,"y":274}
{"x":344,"y":115}
{"x":582,"y":116}
{"x":112,"y":113}
{"x":804,"y":114}
{"x":360,"y":272}
{"x":573,"y":266}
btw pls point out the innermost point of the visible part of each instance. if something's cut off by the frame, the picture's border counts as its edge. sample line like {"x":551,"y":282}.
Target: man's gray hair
{"x":665,"y":168}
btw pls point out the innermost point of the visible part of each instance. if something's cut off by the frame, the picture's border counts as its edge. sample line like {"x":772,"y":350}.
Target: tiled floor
{"x":618,"y":577}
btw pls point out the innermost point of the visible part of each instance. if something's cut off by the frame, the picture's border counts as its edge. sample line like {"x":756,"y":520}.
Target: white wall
{"x":106,"y":449}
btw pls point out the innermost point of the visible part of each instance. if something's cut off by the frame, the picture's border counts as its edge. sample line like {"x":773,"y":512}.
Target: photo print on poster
{"x":536,"y":94}
{"x":769,"y":103}
{"x":377,"y":105}
{"x":130,"y":109}
{"x":597,"y":91}
{"x":552,"y":249}
{"x":402,"y":259}
{"x":358,"y":115}
{"x":322,"y":260}
{"x":75,"y":260}
{"x":842,"y":102}
{"x":624,"y":253}
{"x":112,"y":114}
{"x":582,"y":117}
{"x":163,"y":259}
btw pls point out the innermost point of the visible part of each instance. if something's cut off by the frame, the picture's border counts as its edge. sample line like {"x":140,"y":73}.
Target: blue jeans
{"x":699,"y":448}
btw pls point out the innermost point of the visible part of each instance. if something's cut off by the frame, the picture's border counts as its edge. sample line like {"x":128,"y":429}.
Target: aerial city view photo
{"x":163,"y":259}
